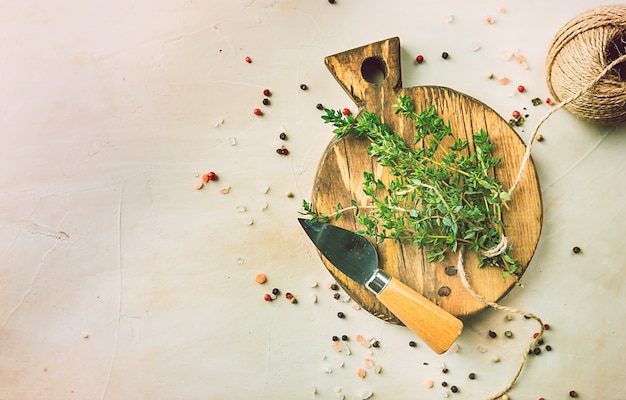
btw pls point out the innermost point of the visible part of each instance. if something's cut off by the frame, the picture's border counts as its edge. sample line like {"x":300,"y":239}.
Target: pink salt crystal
{"x":361,"y":373}
{"x":429,"y":383}
{"x":337,"y":346}
{"x":369,"y":363}
{"x":504,"y":81}
{"x":225,"y":190}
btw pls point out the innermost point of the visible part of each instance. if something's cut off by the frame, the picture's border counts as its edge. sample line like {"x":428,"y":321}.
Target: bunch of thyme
{"x":438,"y":197}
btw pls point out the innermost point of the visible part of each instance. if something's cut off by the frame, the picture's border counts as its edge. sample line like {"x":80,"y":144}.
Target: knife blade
{"x":357,"y":258}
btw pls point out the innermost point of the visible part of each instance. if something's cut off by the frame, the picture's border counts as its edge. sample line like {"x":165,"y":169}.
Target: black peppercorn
{"x":336,"y":296}
{"x":573,"y":393}
{"x":548,"y":348}
{"x":444,"y":384}
{"x":319,"y":106}
{"x":445,"y":55}
{"x":344,"y":337}
{"x":540,"y":342}
{"x":334,"y":286}
{"x":472,"y":375}
{"x":340,"y":315}
{"x":303,"y":87}
{"x":276,"y":291}
{"x":335,"y":339}
{"x":331,"y":1}
{"x":492,"y":334}
{"x":376,"y":343}
{"x":266,"y":102}
{"x":537,"y":351}
{"x":283,"y":136}
{"x":454,"y":389}
{"x":412,"y":344}
{"x":444,"y":370}
{"x":576,"y":250}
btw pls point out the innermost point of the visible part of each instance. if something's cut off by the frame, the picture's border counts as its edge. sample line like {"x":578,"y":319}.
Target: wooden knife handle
{"x":435,"y":326}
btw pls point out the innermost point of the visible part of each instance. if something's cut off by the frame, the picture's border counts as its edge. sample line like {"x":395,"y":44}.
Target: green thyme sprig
{"x":439,"y":196}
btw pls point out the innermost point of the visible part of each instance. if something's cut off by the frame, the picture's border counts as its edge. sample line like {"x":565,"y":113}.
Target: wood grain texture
{"x":340,"y":175}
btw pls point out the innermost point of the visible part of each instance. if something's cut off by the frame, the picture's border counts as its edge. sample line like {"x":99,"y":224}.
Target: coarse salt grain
{"x":365,"y":394}
{"x":337,"y":346}
{"x":481,"y":349}
{"x":232,"y":141}
{"x":198,"y":184}
{"x":263,"y":205}
{"x":369,"y":363}
{"x":378,"y":369}
{"x":240,"y":209}
{"x":264,"y":188}
{"x":248,"y":221}
{"x":474,"y":46}
{"x":225,"y":190}
{"x":313,"y":298}
{"x":448,"y":18}
{"x":312,"y":283}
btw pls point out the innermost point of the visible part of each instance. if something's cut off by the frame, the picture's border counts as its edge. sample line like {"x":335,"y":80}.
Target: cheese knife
{"x":356,"y":257}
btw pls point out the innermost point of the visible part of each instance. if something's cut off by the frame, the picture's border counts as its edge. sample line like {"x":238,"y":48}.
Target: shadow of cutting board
{"x":372,"y":78}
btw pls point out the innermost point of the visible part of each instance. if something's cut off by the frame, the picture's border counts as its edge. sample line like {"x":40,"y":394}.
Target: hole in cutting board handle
{"x":374,"y":70}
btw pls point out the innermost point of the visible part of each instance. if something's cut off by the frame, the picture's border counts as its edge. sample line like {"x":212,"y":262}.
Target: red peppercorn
{"x":257,"y":111}
{"x":521,"y":89}
{"x":248,"y":60}
{"x":267,"y":92}
{"x":419,"y":59}
{"x":212,"y":176}
{"x":516,"y":114}
{"x":346,"y":111}
{"x":546,"y":327}
{"x":535,"y":335}
{"x":267,"y":297}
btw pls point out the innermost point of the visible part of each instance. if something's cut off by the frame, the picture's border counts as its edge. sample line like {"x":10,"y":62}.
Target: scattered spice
{"x":516,"y":114}
{"x":508,"y":334}
{"x":332,"y":1}
{"x":504,"y":81}
{"x":444,"y":370}
{"x":344,"y":337}
{"x":444,"y":291}
{"x":376,"y":344}
{"x":546,"y":327}
{"x":275,"y":291}
{"x":539,"y":137}
{"x":548,"y":348}
{"x":444,"y":384}
{"x":549,"y":101}
{"x":489,"y":20}
{"x":260,"y":278}
{"x":537,"y":351}
{"x":334,"y":286}
{"x":337,"y":296}
{"x":429,"y":383}
{"x":335,"y":338}
{"x":288,"y":296}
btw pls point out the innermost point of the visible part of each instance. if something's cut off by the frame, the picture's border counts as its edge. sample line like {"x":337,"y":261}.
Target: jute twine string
{"x":578,"y":55}
{"x":601,"y":100}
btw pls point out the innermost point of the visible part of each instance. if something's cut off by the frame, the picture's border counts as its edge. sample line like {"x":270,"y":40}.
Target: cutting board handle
{"x":435,"y":326}
{"x":369,"y":72}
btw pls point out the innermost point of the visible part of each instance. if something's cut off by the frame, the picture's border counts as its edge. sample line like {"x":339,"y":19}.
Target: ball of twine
{"x":577,"y":61}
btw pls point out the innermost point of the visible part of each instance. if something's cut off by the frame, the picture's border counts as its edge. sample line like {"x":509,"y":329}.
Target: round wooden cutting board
{"x":371,"y":76}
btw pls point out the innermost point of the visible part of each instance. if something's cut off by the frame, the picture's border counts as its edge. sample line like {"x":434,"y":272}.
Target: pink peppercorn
{"x":248,"y":60}
{"x":267,"y":297}
{"x":346,"y":111}
{"x":546,"y":327}
{"x":521,"y":89}
{"x":419,"y":59}
{"x":516,"y":114}
{"x":288,"y":296}
{"x":257,"y":111}
{"x":212,"y":176}
{"x":267,"y":92}
{"x":535,"y":335}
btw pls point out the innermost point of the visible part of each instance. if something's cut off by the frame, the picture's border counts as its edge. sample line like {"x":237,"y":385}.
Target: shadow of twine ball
{"x":579,"y":53}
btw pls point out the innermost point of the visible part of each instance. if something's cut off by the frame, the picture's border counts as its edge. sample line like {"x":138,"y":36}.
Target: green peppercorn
{"x":508,"y":334}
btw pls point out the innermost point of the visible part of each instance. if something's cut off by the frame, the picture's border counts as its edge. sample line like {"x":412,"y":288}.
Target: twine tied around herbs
{"x":594,"y":90}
